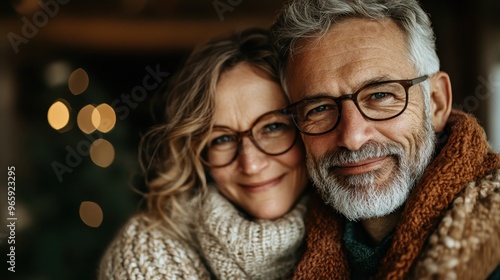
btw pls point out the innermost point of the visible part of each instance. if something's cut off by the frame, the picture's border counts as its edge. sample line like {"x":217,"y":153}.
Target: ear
{"x":440,"y":100}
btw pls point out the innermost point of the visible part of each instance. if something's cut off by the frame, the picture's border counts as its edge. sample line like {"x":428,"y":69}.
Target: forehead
{"x":243,"y":94}
{"x":349,"y":54}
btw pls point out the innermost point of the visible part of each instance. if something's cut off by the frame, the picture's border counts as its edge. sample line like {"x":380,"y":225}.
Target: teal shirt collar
{"x":364,"y":259}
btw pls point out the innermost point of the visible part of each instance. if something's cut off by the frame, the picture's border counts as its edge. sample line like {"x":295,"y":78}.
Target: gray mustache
{"x":371,"y":149}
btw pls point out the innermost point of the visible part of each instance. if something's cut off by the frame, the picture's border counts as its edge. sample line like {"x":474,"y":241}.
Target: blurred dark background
{"x":69,"y":204}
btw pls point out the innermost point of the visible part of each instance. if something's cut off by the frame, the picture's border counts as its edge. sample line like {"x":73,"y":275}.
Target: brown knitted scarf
{"x":465,"y":157}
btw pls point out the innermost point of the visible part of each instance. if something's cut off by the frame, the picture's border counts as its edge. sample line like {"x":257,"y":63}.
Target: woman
{"x":223,"y":127}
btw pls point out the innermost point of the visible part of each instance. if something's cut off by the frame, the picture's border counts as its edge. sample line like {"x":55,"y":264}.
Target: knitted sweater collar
{"x":465,"y":157}
{"x":238,"y":248}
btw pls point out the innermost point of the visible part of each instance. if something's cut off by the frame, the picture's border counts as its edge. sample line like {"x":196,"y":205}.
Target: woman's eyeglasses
{"x":273,"y":133}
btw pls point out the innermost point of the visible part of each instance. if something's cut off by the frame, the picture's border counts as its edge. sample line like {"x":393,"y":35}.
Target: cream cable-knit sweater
{"x":227,"y":246}
{"x":238,"y":248}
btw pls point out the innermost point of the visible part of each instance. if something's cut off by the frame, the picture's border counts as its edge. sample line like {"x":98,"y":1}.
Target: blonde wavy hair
{"x":170,"y":153}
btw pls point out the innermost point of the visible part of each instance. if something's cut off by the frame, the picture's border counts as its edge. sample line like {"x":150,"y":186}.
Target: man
{"x":407,"y":187}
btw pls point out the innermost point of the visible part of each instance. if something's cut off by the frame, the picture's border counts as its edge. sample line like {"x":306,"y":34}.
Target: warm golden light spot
{"x":107,"y":118}
{"x":78,"y":81}
{"x":91,"y":214}
{"x":102,"y":153}
{"x":58,"y":115}
{"x":95,"y":118}
{"x":85,"y":119}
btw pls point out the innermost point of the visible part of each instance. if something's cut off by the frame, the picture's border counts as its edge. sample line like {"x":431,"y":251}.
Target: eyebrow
{"x":376,"y":79}
{"x":216,"y":125}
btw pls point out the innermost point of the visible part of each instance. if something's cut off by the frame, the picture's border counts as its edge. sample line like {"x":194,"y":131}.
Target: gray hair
{"x":312,"y":19}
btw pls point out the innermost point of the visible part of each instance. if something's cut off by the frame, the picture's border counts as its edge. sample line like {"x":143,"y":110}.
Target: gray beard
{"x":363,"y":196}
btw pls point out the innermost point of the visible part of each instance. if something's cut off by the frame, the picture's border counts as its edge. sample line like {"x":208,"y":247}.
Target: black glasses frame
{"x":354,"y":97}
{"x":248,"y":133}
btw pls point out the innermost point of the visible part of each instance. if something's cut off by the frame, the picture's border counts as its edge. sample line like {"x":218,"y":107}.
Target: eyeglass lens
{"x":378,"y":102}
{"x":273,"y":133}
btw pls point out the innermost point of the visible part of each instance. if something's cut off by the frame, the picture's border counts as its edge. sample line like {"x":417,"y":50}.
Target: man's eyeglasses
{"x":377,"y":101}
{"x":272,"y":133}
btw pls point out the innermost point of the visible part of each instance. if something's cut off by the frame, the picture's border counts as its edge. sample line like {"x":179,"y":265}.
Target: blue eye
{"x":318,"y":109}
{"x":221,"y":140}
{"x":318,"y":112}
{"x":273,"y":127}
{"x":380,"y":95}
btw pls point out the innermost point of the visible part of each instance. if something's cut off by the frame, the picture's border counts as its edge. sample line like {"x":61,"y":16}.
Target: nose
{"x":251,"y":160}
{"x":353,"y":130}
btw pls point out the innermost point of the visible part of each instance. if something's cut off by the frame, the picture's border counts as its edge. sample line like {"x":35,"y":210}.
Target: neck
{"x":378,"y":228}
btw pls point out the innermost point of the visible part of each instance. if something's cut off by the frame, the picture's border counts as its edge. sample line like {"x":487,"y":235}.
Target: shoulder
{"x":142,"y":249}
{"x":466,"y":242}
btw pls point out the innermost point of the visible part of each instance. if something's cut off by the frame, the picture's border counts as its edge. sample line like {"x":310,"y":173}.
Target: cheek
{"x":294,"y":161}
{"x":293,"y":158}
{"x":406,"y":129}
{"x":222,"y":176}
{"x":318,"y":145}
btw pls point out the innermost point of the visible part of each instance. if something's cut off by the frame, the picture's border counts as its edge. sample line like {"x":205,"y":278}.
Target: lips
{"x":361,"y":166}
{"x":262,"y":185}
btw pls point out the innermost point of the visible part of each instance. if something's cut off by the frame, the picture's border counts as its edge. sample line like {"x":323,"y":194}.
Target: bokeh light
{"x":95,"y":118}
{"x":104,"y":117}
{"x":102,"y":153}
{"x":86,"y":120}
{"x":58,"y":115}
{"x":91,"y":213}
{"x":57,"y":73}
{"x":78,"y":81}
